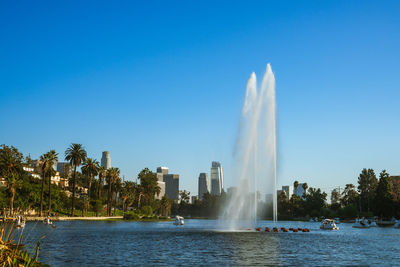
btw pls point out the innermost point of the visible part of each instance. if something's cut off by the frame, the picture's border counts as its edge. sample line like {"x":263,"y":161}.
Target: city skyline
{"x":170,"y":94}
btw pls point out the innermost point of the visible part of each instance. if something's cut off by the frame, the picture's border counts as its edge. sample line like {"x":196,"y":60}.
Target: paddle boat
{"x":361,"y":223}
{"x":20,"y":222}
{"x":372,"y":223}
{"x":179,"y":220}
{"x":328,"y":224}
{"x":47,"y":221}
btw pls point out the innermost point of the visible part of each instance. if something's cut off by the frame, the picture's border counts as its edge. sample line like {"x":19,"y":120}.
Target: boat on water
{"x":20,"y":223}
{"x":179,"y":220}
{"x":328,"y":224}
{"x":361,"y":223}
{"x":47,"y":221}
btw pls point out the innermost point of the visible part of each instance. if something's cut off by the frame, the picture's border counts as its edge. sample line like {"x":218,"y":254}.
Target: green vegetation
{"x":373,"y":197}
{"x":95,"y":190}
{"x":12,"y":254}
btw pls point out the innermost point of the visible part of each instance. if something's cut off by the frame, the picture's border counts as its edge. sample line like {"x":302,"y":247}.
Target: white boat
{"x":361,"y":223}
{"x":328,"y":224}
{"x":47,"y":221}
{"x":20,"y":222}
{"x":372,"y":223}
{"x":179,"y":220}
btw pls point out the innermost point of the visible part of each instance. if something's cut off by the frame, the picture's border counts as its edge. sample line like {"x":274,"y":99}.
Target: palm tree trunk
{"x":109,"y":199}
{"x":49,"y":194}
{"x":100,"y":185}
{"x":12,"y":202}
{"x":90,"y":186}
{"x":73,"y":192}
{"x":41,"y":195}
{"x":115,"y":201}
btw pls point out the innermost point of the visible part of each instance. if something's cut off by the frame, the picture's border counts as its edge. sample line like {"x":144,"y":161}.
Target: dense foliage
{"x":99,"y":191}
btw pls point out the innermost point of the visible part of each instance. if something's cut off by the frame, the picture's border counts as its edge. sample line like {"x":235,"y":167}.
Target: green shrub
{"x":147,"y":211}
{"x":131,"y":216}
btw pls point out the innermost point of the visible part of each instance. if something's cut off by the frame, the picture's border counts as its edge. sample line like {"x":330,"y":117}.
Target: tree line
{"x":107,"y":194}
{"x":371,"y":197}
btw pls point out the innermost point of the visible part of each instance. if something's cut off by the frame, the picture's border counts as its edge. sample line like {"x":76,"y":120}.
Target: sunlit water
{"x":200,"y":242}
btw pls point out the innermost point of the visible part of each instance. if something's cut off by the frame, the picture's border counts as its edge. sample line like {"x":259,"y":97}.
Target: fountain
{"x":255,"y":154}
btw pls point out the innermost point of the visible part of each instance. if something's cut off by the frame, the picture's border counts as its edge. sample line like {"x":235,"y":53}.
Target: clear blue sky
{"x":162,"y":84}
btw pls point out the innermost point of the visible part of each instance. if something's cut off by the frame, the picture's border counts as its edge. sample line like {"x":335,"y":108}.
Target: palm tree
{"x":295,"y":185}
{"x":43,"y":159}
{"x":102,"y":175}
{"x":305,"y":186}
{"x":91,"y":169}
{"x":127,"y":193}
{"x":116,"y":189}
{"x":52,"y":158}
{"x":75,"y":154}
{"x":112,"y":175}
{"x":13,"y":183}
{"x":11,"y":169}
{"x":165,"y":206}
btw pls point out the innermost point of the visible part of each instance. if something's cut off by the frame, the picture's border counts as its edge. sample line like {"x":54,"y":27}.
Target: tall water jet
{"x":255,"y":154}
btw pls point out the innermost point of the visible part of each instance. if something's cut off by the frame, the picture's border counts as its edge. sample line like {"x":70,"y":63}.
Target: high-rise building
{"x":204,"y":185}
{"x":106,"y":160}
{"x":217,"y":178}
{"x":64,"y":168}
{"x":171,"y":182}
{"x":161,"y":184}
{"x":299,"y":191}
{"x":288,"y":190}
{"x":160,"y":173}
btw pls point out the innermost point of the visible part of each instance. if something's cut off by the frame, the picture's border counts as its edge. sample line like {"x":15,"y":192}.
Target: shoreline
{"x":66,"y":218}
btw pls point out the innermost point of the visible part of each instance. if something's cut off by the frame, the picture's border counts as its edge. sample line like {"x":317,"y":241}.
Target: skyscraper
{"x":106,"y":160}
{"x":171,"y":182}
{"x":204,"y":185}
{"x":217,"y":178}
{"x":64,"y":168}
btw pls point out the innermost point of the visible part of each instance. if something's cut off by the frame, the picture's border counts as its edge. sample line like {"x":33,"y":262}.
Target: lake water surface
{"x":199,"y":242}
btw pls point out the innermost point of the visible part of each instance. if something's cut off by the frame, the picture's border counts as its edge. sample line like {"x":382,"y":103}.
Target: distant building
{"x":160,"y":173}
{"x":161,"y":184}
{"x":106,"y":160}
{"x":288,"y":190}
{"x":204,"y":185}
{"x":37,"y":165}
{"x":64,"y":168}
{"x":217,"y":178}
{"x":299,"y":191}
{"x":194,"y":198}
{"x":171,"y":182}
{"x":31,"y":172}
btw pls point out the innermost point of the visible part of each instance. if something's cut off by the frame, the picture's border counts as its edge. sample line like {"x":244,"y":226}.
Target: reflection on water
{"x":200,"y":242}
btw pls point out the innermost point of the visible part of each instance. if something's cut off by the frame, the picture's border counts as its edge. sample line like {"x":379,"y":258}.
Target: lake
{"x":199,"y":242}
